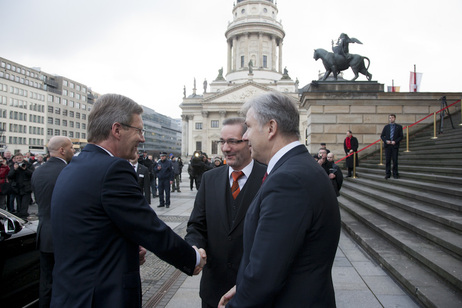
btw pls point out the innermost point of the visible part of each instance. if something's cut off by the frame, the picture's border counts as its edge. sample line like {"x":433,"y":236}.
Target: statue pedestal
{"x":345,"y":86}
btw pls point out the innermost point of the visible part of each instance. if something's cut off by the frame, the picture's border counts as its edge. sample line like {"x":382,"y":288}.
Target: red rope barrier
{"x":403,"y":129}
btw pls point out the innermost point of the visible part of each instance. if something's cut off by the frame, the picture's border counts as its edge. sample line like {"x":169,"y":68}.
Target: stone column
{"x":260,"y":49}
{"x":205,"y":132}
{"x":235,"y":53}
{"x":185,"y":136}
{"x":280,"y":56}
{"x":230,"y":51}
{"x":273,"y":53}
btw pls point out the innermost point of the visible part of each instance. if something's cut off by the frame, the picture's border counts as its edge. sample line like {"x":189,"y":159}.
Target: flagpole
{"x":415,"y":79}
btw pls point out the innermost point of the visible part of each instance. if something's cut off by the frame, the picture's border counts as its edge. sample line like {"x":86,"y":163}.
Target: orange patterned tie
{"x":235,"y":188}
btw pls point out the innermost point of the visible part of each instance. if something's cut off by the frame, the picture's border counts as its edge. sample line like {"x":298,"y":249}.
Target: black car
{"x":19,"y":262}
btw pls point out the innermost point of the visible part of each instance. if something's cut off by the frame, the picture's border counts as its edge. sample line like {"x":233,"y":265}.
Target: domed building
{"x":254,"y":65}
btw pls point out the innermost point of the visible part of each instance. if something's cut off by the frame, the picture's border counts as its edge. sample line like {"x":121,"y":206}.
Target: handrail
{"x":405,"y":127}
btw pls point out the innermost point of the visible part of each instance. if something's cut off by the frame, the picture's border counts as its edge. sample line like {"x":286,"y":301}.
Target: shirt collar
{"x":281,"y":153}
{"x":247,"y":170}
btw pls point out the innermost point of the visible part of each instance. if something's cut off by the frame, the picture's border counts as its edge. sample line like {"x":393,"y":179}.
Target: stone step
{"x":433,"y":257}
{"x":425,"y":286}
{"x":439,"y":225}
{"x":436,"y":199}
{"x":447,"y":189}
{"x":455,"y":182}
{"x":443,"y":170}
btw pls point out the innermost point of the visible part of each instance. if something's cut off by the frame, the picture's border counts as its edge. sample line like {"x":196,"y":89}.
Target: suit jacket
{"x":209,"y":228}
{"x":144,"y":180}
{"x":354,"y":146}
{"x":100,"y":217}
{"x":43,"y":183}
{"x":397,"y":135}
{"x":291,"y":233}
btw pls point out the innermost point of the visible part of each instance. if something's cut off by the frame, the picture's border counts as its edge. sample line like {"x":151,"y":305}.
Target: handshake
{"x":202,"y":262}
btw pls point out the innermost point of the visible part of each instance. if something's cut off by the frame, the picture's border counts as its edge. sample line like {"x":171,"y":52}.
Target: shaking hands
{"x":202,"y":262}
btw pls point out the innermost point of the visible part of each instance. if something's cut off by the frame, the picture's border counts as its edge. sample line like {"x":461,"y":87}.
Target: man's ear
{"x":115,"y":130}
{"x":272,"y":128}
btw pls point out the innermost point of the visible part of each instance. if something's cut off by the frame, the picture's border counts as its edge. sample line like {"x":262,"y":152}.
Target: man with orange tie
{"x":216,"y":223}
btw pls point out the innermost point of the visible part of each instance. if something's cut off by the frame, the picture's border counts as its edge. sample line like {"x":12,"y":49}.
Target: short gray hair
{"x":277,"y":106}
{"x":107,"y":110}
{"x":236,"y":121}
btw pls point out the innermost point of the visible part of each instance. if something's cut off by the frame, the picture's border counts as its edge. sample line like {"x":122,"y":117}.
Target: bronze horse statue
{"x":335,"y":63}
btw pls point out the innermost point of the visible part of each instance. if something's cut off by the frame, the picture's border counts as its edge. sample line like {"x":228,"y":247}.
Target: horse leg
{"x":356,"y":74}
{"x":326,"y":75}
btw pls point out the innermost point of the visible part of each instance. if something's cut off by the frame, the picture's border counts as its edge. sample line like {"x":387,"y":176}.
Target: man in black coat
{"x":144,"y":179}
{"x":350,"y":145}
{"x":19,"y":177}
{"x":43,"y":183}
{"x":217,"y":220}
{"x":392,"y":134}
{"x":292,"y":227}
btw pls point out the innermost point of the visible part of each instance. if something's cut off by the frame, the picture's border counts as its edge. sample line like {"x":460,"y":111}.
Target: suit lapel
{"x":250,"y":189}
{"x":221,"y":182}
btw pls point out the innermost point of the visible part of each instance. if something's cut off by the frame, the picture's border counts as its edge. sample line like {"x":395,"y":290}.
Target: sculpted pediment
{"x":238,"y":94}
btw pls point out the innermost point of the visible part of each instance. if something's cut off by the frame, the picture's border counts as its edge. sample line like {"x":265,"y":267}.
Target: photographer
{"x":20,"y":176}
{"x":199,"y":164}
{"x":337,"y":179}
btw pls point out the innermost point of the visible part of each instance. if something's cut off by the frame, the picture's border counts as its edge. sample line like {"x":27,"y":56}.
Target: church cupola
{"x":254,"y":40}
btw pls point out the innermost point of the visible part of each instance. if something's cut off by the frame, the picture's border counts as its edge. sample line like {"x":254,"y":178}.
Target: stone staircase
{"x":412,"y":226}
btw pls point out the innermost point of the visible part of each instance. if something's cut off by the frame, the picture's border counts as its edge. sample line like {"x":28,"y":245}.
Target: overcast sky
{"x":149,"y":49}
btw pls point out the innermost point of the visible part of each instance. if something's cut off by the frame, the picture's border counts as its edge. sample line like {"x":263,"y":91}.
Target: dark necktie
{"x":264,"y":178}
{"x":392,"y":131}
{"x":235,"y":187}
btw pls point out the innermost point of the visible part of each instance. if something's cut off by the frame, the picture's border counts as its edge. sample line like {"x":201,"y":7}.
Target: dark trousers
{"x":205,"y":305}
{"x":164,"y":185}
{"x":10,"y":202}
{"x":23,"y":205}
{"x":47,"y":262}
{"x":176,"y":183}
{"x":391,"y":153}
{"x":153,"y":187}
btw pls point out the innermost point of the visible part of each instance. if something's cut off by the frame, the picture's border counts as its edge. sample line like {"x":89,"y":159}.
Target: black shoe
{"x":178,"y":190}
{"x":167,"y":206}
{"x":155,"y":196}
{"x":160,"y":205}
{"x":396,"y":176}
{"x":387,"y":177}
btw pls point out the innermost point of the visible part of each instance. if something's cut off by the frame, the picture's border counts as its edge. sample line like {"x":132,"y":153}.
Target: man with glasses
{"x":101,"y":219}
{"x":216,"y":223}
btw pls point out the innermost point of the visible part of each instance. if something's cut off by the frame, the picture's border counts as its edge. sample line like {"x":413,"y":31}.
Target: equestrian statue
{"x":340,"y":59}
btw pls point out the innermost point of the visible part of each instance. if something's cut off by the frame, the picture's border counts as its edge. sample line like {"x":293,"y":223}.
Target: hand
{"x":171,"y":182}
{"x":331,"y":176}
{"x":202,"y":262}
{"x":16,"y":166}
{"x":227,"y":297}
{"x":393,"y":142}
{"x":142,"y":255}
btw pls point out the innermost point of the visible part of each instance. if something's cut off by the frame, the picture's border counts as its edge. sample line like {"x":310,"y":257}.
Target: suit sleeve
{"x":129,"y":211}
{"x":384,"y":134}
{"x":400,"y":134}
{"x":147,"y":185}
{"x":197,"y":224}
{"x":284,"y":214}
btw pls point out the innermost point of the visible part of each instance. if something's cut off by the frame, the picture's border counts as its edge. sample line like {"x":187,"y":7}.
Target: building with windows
{"x":35,"y":106}
{"x":254,"y":65}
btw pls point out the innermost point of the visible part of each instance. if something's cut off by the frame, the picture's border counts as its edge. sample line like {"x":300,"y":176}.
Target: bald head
{"x":60,"y":146}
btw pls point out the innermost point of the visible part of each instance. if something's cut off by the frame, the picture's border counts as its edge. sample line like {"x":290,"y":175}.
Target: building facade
{"x":254,"y":66}
{"x":35,"y":106}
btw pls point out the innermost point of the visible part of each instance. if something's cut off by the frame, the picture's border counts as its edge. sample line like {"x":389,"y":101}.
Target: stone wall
{"x":363,"y":107}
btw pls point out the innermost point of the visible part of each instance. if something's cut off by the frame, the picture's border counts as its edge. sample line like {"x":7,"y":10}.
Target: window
{"x":215,"y":147}
{"x":242,"y":61}
{"x":50,"y":132}
{"x":71,"y":114}
{"x":214,"y":124}
{"x":57,"y":133}
{"x":77,"y":115}
{"x":198,"y":145}
{"x":198,"y":126}
{"x":265,"y":61}
{"x":50,"y":109}
{"x":57,"y":122}
{"x":64,"y":122}
{"x":50,"y":120}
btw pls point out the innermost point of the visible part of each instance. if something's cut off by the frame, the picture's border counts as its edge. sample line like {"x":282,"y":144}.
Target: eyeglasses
{"x":140,"y":130}
{"x":230,"y":141}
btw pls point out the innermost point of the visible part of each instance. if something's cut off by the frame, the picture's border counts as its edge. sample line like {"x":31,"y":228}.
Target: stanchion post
{"x":354,"y":165}
{"x":407,"y":140}
{"x":460,"y":124}
{"x":434,"y":126}
{"x":381,"y":155}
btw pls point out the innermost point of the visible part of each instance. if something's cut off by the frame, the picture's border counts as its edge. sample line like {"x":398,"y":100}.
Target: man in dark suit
{"x":292,"y":226}
{"x":144,"y":179}
{"x":164,"y":173}
{"x":100,"y":217}
{"x":43,"y":183}
{"x":392,"y":134}
{"x":217,"y":220}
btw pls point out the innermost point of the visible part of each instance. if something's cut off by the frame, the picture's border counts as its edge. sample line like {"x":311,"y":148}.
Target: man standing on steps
{"x":392,"y":134}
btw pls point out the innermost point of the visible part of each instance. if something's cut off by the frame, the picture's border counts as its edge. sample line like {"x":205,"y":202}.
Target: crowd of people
{"x":264,"y":228}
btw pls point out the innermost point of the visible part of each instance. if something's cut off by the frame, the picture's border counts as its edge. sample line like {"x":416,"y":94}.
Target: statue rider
{"x":341,"y":48}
